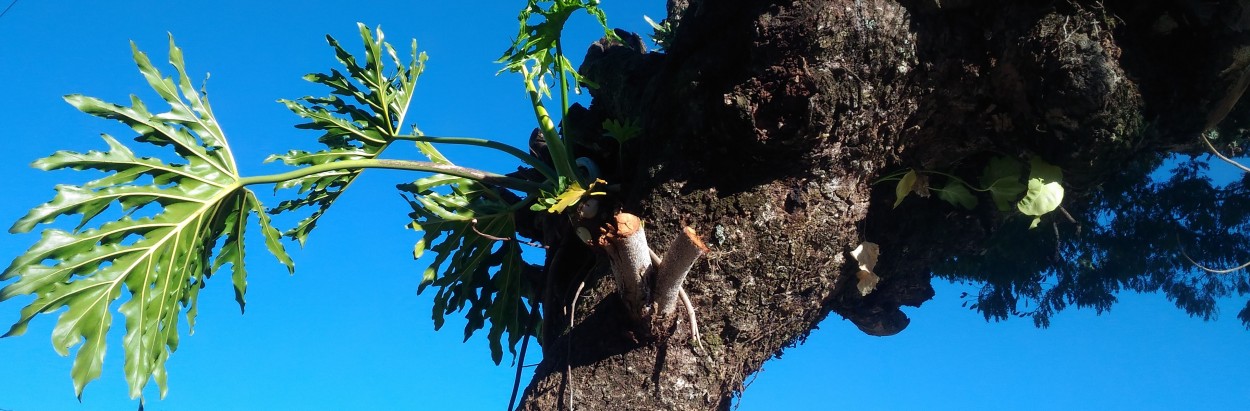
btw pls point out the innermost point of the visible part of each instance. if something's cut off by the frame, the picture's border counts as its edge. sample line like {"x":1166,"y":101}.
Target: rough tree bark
{"x":766,"y":121}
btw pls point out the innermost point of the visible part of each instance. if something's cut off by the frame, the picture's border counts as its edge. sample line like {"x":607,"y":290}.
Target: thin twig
{"x":473,"y":226}
{"x":1217,"y":153}
{"x":1221,"y":156}
{"x":516,"y":381}
{"x":1065,"y":213}
{"x":694,"y":323}
{"x":568,"y":347}
{"x":6,"y":9}
{"x":1202,"y":267}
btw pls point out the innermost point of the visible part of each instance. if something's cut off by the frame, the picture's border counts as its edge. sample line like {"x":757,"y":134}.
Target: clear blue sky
{"x":348,"y":331}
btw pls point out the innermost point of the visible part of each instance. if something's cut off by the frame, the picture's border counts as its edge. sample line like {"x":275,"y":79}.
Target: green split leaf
{"x":362,"y":115}
{"x":477,"y":266}
{"x":537,"y":54}
{"x":159,"y":260}
{"x":539,"y":36}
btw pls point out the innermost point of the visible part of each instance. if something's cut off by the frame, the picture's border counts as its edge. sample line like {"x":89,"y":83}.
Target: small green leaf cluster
{"x":621,"y":131}
{"x":1003,"y":178}
{"x":661,"y":33}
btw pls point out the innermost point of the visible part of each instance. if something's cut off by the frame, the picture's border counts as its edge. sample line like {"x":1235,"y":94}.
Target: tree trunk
{"x":765,"y":125}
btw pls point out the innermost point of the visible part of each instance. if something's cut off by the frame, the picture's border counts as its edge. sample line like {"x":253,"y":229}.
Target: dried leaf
{"x":921,"y":186}
{"x":867,"y":282}
{"x":866,"y":255}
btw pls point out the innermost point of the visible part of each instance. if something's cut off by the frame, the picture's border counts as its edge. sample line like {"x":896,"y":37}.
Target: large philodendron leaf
{"x":160,"y":259}
{"x":478,"y":265}
{"x":361,"y":117}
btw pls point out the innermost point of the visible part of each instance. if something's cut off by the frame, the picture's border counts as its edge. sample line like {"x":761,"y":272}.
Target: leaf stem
{"x":429,"y":167}
{"x":555,"y":145}
{"x":891,"y":177}
{"x":564,"y":82}
{"x":492,"y":144}
{"x":898,"y":175}
{"x":957,"y":179}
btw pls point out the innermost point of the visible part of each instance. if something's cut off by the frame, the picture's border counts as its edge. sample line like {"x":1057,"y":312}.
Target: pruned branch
{"x":681,"y":255}
{"x":625,"y":242}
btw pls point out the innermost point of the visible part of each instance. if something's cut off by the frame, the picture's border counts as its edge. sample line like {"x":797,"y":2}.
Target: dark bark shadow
{"x":600,"y":335}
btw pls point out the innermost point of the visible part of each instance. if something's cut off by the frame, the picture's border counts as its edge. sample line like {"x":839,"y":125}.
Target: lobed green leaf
{"x":160,"y":261}
{"x":473,"y":270}
{"x":359,"y":127}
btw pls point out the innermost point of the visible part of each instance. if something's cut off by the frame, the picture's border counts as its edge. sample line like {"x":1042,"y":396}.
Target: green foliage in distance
{"x":160,"y":261}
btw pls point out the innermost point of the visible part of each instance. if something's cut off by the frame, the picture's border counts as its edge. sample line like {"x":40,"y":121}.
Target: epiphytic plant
{"x":179,"y":219}
{"x":1003,"y":178}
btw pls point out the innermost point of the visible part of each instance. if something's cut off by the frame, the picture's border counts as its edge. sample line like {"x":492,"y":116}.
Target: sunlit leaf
{"x":160,"y":260}
{"x":477,"y":265}
{"x":362,"y":115}
{"x":569,"y":197}
{"x":1045,"y":190}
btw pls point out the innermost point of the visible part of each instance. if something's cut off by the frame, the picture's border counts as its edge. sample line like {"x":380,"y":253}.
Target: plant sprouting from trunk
{"x":153,"y":230}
